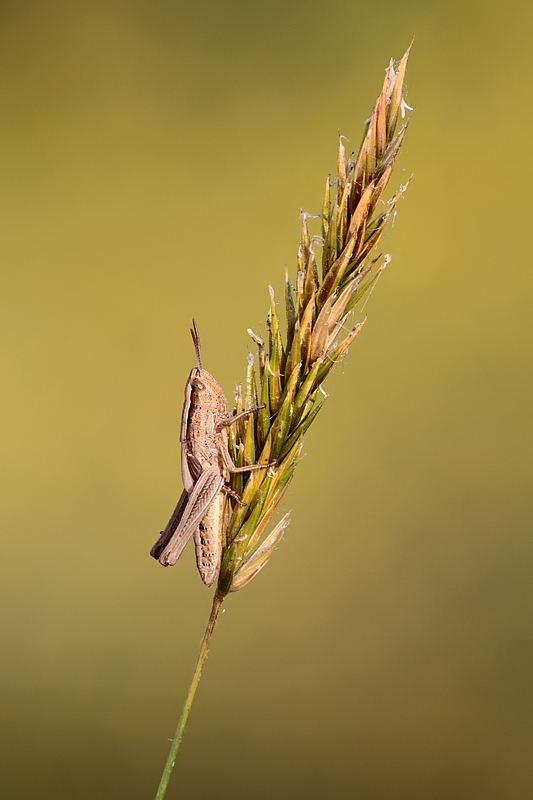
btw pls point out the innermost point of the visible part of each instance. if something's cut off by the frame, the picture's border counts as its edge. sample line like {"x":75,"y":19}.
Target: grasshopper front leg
{"x":226,"y":457}
{"x":230,"y":466}
{"x":225,"y":423}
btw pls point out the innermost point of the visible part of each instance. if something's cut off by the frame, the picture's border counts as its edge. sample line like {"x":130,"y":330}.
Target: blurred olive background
{"x":154,"y":160}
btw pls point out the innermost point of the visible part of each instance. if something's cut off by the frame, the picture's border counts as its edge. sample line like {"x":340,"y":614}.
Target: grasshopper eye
{"x":198,"y":384}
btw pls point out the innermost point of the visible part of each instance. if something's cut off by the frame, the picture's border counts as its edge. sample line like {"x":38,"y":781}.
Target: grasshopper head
{"x":205,"y":390}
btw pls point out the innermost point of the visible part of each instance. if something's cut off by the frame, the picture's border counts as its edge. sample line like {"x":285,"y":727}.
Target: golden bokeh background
{"x":154,"y":159}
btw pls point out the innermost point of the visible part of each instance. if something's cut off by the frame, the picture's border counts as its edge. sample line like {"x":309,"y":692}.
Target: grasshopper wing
{"x":205,"y":490}
{"x":166,"y":535}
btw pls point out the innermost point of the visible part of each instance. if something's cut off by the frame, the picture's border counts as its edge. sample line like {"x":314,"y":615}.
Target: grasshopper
{"x":204,"y":457}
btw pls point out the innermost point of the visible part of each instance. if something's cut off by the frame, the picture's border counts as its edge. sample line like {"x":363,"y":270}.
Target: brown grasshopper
{"x":204,"y":457}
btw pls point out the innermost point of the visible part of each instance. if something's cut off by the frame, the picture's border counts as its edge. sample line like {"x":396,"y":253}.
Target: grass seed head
{"x":291,"y":372}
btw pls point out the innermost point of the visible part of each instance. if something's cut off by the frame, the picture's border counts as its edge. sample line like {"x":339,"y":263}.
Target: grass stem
{"x":167,"y":771}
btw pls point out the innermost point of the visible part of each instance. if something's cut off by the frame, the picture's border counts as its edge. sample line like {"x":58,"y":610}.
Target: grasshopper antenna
{"x":196,"y":339}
